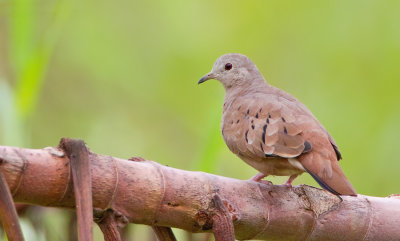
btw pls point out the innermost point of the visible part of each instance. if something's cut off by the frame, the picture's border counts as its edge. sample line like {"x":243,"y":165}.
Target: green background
{"x":122,"y":75}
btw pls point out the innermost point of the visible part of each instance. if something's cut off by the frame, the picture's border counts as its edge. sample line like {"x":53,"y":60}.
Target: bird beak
{"x":206,"y":77}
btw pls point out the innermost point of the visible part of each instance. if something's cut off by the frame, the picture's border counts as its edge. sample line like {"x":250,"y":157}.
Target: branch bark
{"x":81,"y":178}
{"x":164,"y":233}
{"x":146,"y":192}
{"x":222,"y":221}
{"x":8,"y":213}
{"x":110,"y":223}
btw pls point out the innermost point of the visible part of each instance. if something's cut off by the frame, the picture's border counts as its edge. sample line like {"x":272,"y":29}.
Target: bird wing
{"x":267,"y":125}
{"x":264,"y":126}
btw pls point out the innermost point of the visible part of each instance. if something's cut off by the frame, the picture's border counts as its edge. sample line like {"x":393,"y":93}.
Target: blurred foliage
{"x":122,"y":75}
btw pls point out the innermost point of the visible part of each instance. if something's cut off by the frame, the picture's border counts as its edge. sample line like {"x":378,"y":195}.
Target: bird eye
{"x":228,"y":66}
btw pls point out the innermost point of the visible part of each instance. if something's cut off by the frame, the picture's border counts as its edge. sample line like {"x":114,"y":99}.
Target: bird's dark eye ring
{"x":228,"y":66}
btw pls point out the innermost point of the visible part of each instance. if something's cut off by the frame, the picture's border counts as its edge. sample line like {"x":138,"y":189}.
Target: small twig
{"x":125,"y":233}
{"x":189,"y":236}
{"x":206,"y":237}
{"x":222,"y":222}
{"x":80,"y":168}
{"x":72,"y":227}
{"x":164,"y":233}
{"x":110,"y":223}
{"x":8,"y":213}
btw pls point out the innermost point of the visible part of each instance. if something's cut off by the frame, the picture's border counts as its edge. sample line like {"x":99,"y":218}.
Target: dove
{"x":272,"y":131}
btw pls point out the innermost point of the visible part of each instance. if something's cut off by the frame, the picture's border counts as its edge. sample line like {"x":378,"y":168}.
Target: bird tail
{"x":337,"y":183}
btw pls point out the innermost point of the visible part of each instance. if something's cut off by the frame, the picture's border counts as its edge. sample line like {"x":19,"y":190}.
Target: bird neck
{"x":245,"y":87}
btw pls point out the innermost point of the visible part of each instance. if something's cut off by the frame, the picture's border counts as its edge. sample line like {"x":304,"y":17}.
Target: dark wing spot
{"x":252,"y":121}
{"x":252,"y":127}
{"x":262,"y":149}
{"x":263,"y":134}
{"x":257,"y":115}
{"x":248,"y":111}
{"x":285,"y":130}
{"x":269,"y":115}
{"x":267,"y":121}
{"x":283,"y":119}
{"x":237,"y":121}
{"x":338,"y":154}
{"x":245,"y":136}
{"x":307,"y":147}
{"x":260,"y":110}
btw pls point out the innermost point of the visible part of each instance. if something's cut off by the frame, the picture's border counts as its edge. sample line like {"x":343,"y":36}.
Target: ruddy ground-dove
{"x":271,"y":130}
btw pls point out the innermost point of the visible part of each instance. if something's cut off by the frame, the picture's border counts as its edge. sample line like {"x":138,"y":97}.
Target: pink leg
{"x":258,"y":177}
{"x":290,"y":180}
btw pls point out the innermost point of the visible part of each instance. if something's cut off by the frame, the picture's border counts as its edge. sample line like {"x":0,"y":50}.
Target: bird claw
{"x":266,"y":182}
{"x":258,"y":178}
{"x":137,"y":159}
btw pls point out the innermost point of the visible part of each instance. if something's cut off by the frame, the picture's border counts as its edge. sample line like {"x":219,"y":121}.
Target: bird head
{"x":233,"y":70}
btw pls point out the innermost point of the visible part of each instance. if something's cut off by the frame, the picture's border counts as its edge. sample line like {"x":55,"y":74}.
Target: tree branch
{"x":146,"y":192}
{"x":8,"y":213}
{"x":81,"y":178}
{"x":110,"y":222}
{"x":164,"y":233}
{"x":222,"y":221}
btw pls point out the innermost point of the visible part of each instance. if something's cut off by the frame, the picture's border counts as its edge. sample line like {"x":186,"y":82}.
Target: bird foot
{"x":266,"y":182}
{"x":137,"y":159}
{"x":290,"y":180}
{"x":258,"y":178}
